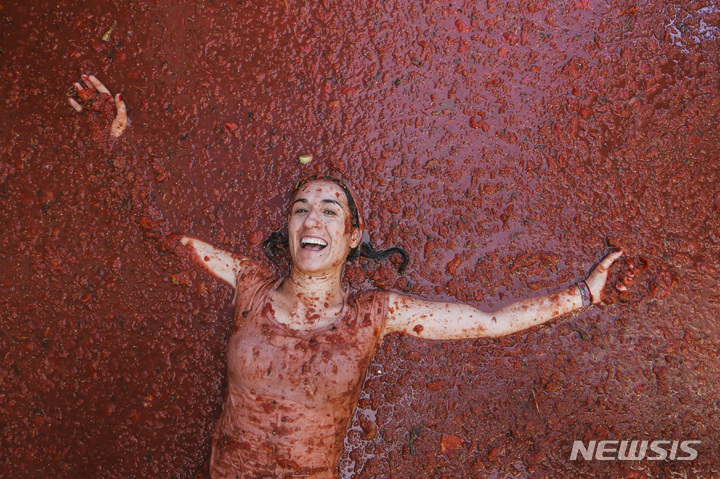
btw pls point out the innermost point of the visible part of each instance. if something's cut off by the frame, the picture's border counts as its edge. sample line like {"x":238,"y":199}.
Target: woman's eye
{"x":300,"y":210}
{"x":330,"y":212}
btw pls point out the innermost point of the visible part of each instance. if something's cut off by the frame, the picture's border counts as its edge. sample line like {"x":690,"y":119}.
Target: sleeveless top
{"x":291,"y":393}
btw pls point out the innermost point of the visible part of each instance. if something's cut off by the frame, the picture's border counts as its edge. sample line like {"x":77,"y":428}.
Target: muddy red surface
{"x":504,"y":144}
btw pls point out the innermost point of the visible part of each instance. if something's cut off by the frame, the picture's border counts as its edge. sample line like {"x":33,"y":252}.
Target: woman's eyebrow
{"x":327,"y":200}
{"x":331,"y":201}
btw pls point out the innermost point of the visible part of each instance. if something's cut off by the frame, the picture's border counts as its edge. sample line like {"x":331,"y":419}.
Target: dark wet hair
{"x":275,"y":245}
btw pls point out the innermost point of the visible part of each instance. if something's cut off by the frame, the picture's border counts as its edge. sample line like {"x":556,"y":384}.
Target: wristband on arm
{"x":585,"y":293}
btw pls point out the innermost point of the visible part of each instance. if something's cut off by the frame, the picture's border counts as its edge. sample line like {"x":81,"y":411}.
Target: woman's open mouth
{"x":313,"y":244}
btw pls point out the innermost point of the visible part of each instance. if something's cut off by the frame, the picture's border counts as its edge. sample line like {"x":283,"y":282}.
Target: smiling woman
{"x":301,"y":344}
{"x":275,"y":245}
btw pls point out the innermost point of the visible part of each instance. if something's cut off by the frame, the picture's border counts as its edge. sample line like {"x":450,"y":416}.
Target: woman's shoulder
{"x":250,"y":281}
{"x":254,"y":272}
{"x":372,"y":300}
{"x":370,"y":295}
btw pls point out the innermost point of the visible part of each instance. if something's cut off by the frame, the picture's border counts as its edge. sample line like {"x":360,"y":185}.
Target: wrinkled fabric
{"x":291,"y":393}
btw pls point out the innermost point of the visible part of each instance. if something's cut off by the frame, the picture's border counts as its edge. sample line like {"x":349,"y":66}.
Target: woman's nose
{"x":312,"y":218}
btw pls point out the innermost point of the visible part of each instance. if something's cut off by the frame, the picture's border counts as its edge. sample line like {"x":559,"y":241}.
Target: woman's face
{"x":320,"y":235}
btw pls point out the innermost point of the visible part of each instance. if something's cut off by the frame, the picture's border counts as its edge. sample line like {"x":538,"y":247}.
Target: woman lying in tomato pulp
{"x":301,"y":344}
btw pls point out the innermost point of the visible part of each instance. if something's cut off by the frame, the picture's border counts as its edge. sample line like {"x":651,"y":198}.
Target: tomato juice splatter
{"x":504,"y":144}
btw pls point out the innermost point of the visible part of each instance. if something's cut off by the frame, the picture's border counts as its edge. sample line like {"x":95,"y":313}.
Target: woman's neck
{"x":310,"y":300}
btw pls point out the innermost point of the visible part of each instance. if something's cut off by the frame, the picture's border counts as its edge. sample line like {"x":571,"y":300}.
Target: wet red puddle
{"x":501,"y":143}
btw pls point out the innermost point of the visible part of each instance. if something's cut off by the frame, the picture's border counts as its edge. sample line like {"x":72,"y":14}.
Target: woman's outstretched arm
{"x":438,"y":320}
{"x":220,"y":263}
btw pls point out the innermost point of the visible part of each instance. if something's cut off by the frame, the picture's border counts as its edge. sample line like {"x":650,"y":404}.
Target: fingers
{"x":97,"y":84}
{"x":610,"y":259}
{"x":120,"y":123}
{"x":86,"y":81}
{"x":626,"y":282}
{"x":85,"y":93}
{"x":92,"y":83}
{"x":75,"y":105}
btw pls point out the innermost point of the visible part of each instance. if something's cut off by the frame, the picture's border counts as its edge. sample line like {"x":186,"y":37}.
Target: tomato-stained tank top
{"x":291,"y":393}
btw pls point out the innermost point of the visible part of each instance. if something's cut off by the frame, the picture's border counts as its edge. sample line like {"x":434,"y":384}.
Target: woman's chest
{"x":266,"y":358}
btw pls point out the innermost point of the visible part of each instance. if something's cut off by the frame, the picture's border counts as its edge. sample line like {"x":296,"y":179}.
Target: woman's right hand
{"x":598,"y":277}
{"x":90,"y":92}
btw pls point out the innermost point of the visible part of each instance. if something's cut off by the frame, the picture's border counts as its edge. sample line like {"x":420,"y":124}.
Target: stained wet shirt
{"x":291,"y":393}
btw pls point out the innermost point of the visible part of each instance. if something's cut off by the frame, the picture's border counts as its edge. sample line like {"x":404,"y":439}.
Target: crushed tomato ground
{"x":504,"y":144}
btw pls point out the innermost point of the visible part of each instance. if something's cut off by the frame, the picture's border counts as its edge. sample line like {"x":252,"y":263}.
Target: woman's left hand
{"x":95,"y":86}
{"x":599,"y":275}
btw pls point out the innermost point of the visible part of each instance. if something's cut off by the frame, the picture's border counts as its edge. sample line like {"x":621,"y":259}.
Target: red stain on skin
{"x":418,"y":328}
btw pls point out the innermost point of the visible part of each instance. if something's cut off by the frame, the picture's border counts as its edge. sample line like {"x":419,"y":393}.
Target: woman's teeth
{"x":313,"y":243}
